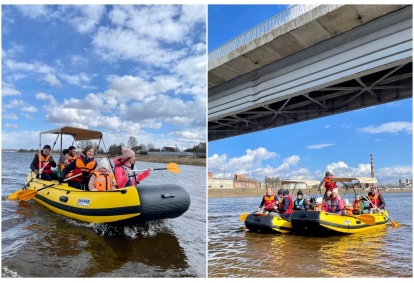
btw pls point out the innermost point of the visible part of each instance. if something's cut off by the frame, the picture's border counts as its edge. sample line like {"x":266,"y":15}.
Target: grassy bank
{"x":212,"y":193}
{"x":183,"y":160}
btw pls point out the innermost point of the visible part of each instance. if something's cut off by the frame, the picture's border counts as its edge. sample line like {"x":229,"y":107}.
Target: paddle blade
{"x":26,"y":195}
{"x":13,"y":196}
{"x":395,"y":224}
{"x":243,"y":216}
{"x":367,"y":219}
{"x":173,"y":168}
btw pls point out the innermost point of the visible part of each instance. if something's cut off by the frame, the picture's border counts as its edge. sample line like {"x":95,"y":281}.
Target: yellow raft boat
{"x":124,"y":206}
{"x":320,"y":223}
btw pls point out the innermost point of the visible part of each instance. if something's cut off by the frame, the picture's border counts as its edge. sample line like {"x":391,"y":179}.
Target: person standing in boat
{"x":102,"y":179}
{"x":335,"y":204}
{"x":300,"y":203}
{"x":286,"y":205}
{"x":42,"y":164}
{"x":376,"y":201}
{"x":125,"y":174}
{"x":329,"y":184}
{"x":84,"y":164}
{"x":269,"y":202}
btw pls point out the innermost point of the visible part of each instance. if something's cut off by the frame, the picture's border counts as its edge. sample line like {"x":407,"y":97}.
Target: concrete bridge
{"x":307,"y":62}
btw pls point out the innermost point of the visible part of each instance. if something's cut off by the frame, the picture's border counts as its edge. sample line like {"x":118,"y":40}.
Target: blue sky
{"x":128,"y":70}
{"x":340,"y":143}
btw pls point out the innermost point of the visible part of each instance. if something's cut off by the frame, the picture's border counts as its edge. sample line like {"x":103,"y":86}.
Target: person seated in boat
{"x":300,"y":203}
{"x":329,"y":184}
{"x":125,"y":170}
{"x":319,"y":204}
{"x":335,"y":204}
{"x":269,"y":202}
{"x":376,"y":201}
{"x":42,"y":164}
{"x":285,"y":208}
{"x":67,"y":157}
{"x":82,"y":167}
{"x":327,"y":196}
{"x":102,"y":179}
{"x":63,"y":162}
{"x":357,"y":205}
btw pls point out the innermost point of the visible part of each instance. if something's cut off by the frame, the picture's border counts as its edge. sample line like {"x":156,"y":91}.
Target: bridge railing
{"x":263,"y":28}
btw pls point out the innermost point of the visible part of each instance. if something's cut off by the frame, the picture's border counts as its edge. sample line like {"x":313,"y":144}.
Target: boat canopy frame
{"x":78,"y":134}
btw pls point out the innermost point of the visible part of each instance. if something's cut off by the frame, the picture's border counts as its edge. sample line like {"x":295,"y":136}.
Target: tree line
{"x":116,"y":149}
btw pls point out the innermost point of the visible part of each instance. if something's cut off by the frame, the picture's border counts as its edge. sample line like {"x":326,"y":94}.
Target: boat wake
{"x":148,"y":229}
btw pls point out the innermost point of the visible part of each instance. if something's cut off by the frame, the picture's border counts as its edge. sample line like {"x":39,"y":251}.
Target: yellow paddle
{"x":172,"y":167}
{"x":28,"y":194}
{"x":394,"y":224}
{"x":367,"y":219}
{"x":244,"y":215}
{"x":13,"y":196}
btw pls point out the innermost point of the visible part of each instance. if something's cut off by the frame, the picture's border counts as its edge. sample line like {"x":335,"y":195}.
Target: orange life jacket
{"x":104,"y":182}
{"x":70,"y":158}
{"x":47,"y":169}
{"x":82,"y":167}
{"x":356,"y":205}
{"x":62,"y":166}
{"x":269,"y":200}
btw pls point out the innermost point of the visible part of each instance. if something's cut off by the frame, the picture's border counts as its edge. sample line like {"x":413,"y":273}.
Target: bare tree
{"x":150,"y":146}
{"x":132,"y":142}
{"x":143,"y":147}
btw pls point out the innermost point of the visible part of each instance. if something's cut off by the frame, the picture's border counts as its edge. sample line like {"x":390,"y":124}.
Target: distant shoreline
{"x":222,"y":193}
{"x":183,"y":160}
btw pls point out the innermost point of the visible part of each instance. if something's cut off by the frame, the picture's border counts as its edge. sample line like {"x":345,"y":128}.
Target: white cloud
{"x":391,"y":128}
{"x":10,"y":116}
{"x":52,"y":80}
{"x":30,"y":109}
{"x":85,"y":18}
{"x":319,"y":146}
{"x":14,"y":103}
{"x":8,"y":89}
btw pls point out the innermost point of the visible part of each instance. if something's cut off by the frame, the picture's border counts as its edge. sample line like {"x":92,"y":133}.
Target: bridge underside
{"x":363,"y":91}
{"x":364,"y":67}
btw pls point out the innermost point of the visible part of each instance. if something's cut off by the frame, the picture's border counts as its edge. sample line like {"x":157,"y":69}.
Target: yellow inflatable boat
{"x":129,"y":205}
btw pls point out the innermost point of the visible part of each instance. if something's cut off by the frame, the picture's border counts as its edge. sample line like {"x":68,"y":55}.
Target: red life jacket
{"x":268,"y":201}
{"x":47,"y":169}
{"x":374,"y":199}
{"x":82,"y":167}
{"x":290,"y":207}
{"x":104,"y":182}
{"x":333,"y":205}
{"x":329,"y":184}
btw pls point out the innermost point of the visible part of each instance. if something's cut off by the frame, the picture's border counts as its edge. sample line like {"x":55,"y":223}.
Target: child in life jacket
{"x":102,"y":179}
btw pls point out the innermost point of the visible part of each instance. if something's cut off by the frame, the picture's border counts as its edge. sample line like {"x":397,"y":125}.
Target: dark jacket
{"x":36,"y":161}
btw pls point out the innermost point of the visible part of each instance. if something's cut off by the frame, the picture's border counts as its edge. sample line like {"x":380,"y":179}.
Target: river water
{"x":234,"y":252}
{"x":39,"y":243}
